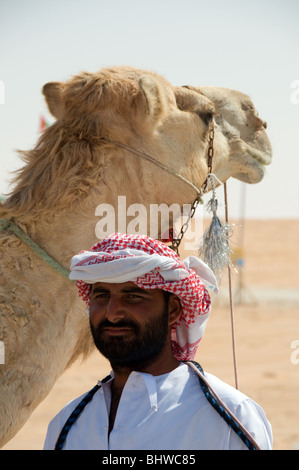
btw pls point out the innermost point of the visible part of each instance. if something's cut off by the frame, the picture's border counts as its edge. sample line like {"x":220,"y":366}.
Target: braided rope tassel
{"x":215,"y":249}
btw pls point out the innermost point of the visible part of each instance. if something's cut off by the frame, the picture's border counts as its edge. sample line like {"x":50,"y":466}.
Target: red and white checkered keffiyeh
{"x":151,"y":264}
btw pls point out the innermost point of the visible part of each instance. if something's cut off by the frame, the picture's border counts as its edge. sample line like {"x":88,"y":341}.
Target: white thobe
{"x":166,"y":412}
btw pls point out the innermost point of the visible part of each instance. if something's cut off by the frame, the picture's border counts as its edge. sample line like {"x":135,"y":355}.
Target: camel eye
{"x":207,"y":117}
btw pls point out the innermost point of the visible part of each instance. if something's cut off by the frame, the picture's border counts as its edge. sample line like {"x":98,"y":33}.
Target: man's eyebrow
{"x":99,"y":289}
{"x":134,"y":290}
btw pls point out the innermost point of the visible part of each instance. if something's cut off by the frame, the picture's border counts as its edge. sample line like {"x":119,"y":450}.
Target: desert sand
{"x":266,"y":324}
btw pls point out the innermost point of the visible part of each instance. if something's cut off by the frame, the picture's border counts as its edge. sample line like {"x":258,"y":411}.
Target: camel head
{"x":245,"y":132}
{"x":137,"y":109}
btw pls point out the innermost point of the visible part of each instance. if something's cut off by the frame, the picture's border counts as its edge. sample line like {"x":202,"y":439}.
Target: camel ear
{"x":52,"y":92}
{"x":154,"y":96}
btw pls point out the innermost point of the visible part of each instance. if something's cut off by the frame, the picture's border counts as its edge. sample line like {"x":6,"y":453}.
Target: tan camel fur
{"x":70,"y":172}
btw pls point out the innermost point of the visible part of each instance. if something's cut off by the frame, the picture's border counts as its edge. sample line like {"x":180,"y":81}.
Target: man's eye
{"x":135,"y":296}
{"x":101,"y":296}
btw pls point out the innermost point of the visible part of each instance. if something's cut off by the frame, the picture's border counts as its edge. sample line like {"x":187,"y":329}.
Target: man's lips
{"x":117,"y":330}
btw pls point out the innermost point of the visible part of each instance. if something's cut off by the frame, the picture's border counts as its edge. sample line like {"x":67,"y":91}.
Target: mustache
{"x":120,"y":324}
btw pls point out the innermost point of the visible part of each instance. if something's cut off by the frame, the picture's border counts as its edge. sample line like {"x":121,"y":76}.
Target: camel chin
{"x":249,"y":161}
{"x":251,"y":174}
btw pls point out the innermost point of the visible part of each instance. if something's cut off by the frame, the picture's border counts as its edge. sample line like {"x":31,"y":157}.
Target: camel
{"x":71,"y":170}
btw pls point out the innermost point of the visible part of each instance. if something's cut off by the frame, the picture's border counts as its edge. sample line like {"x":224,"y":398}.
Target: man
{"x":148,"y":311}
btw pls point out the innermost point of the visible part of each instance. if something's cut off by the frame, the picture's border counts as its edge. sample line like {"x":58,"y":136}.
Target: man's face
{"x":130,"y":325}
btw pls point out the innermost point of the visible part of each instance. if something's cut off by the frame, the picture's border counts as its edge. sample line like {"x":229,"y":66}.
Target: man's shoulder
{"x":229,"y":394}
{"x":233,"y":398}
{"x":245,"y":409}
{"x":223,"y":389}
{"x":59,"y":420}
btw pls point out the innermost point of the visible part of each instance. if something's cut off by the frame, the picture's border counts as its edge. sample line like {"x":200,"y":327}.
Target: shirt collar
{"x":151,"y":386}
{"x":152,"y":383}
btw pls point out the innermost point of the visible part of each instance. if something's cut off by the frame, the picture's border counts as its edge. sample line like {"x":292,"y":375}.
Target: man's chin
{"x":127,"y":363}
{"x":122,"y":354}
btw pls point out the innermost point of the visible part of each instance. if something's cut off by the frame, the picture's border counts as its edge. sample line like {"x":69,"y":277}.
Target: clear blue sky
{"x":252,"y":46}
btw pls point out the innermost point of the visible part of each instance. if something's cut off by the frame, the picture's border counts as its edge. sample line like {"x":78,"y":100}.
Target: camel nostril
{"x":265,"y":124}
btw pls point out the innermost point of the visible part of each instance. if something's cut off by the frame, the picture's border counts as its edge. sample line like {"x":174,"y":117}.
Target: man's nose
{"x":115,"y":310}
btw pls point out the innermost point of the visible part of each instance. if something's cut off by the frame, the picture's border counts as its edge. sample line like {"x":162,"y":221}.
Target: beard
{"x":138,"y":348}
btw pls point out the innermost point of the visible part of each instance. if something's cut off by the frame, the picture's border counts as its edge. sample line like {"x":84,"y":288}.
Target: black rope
{"x":75,"y":415}
{"x":228,"y":418}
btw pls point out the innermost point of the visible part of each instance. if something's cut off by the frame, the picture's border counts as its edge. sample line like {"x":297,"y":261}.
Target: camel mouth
{"x":250,"y":160}
{"x":264,"y":158}
{"x":261,"y":153}
{"x":253,"y":171}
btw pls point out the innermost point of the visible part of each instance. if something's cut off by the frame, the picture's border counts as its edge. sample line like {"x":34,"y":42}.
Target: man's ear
{"x":174,"y":309}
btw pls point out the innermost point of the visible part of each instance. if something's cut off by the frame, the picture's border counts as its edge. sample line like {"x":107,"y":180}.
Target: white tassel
{"x":215,"y":249}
